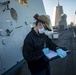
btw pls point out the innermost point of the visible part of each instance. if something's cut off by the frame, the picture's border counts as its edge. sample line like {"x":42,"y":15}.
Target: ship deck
{"x":65,"y":66}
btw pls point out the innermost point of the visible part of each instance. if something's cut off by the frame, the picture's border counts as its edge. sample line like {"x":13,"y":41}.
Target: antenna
{"x":74,"y":17}
{"x":58,"y":2}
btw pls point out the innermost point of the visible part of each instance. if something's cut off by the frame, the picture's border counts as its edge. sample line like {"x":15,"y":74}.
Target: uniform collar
{"x":35,"y":32}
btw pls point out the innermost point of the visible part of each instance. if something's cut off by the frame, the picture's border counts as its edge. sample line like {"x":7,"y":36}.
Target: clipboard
{"x":53,"y":55}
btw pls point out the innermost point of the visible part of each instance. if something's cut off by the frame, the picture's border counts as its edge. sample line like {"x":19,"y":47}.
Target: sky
{"x":69,"y":8}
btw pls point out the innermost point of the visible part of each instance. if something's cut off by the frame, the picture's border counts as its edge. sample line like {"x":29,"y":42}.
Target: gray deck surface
{"x":65,"y":66}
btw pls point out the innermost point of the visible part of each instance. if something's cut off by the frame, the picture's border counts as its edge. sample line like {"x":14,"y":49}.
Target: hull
{"x":13,"y":29}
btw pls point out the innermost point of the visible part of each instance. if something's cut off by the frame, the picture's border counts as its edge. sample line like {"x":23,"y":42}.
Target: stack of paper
{"x":52,"y":54}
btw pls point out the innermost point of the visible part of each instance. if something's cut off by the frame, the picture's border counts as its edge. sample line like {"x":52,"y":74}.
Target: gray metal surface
{"x":13,"y":29}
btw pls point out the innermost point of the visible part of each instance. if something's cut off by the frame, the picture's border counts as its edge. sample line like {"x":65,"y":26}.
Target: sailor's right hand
{"x":45,"y":50}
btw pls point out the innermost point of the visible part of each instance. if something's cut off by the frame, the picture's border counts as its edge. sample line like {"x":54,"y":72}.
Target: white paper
{"x":51,"y":54}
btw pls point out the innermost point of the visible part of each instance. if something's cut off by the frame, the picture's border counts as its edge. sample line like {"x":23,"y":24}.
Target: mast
{"x":58,"y":2}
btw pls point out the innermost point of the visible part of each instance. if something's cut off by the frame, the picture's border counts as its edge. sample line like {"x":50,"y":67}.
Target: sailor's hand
{"x":45,"y":50}
{"x":61,"y":53}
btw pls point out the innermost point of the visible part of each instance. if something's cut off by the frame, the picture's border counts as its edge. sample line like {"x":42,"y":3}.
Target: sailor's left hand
{"x":61,"y":53}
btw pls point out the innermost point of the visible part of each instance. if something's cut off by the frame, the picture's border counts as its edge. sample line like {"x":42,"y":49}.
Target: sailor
{"x":36,"y":44}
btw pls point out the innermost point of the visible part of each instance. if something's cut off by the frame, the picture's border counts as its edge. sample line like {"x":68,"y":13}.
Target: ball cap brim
{"x":44,"y":19}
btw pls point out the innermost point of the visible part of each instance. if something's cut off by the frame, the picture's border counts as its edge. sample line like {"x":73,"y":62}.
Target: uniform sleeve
{"x":51,"y":44}
{"x":28,"y":51}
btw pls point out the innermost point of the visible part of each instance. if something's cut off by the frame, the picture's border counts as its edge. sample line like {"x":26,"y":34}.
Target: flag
{"x":24,"y":2}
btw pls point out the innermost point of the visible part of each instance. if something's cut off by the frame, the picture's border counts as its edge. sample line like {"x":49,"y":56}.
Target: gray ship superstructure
{"x":16,"y":20}
{"x":58,"y":11}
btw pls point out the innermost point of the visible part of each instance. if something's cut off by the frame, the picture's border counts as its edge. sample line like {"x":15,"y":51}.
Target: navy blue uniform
{"x":32,"y":50}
